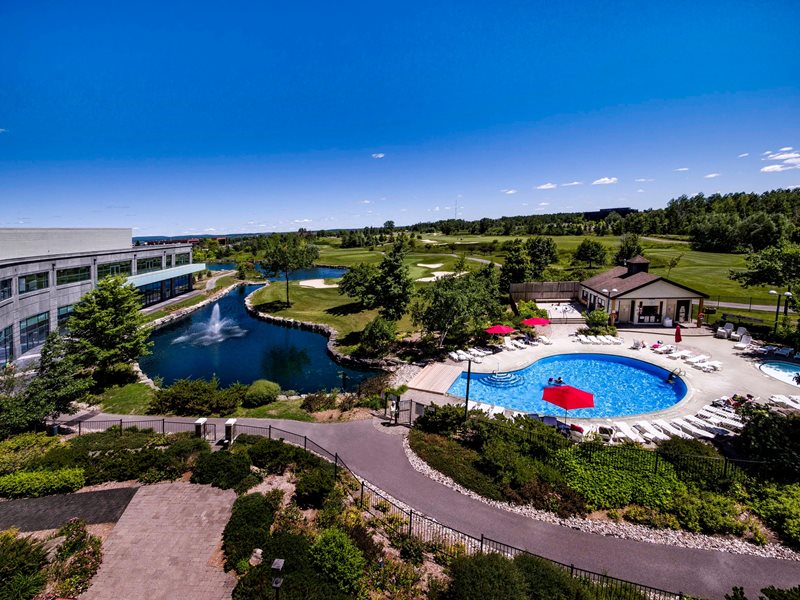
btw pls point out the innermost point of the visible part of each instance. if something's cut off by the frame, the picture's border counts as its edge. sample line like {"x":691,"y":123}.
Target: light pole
{"x":277,"y":580}
{"x":787,"y":295}
{"x":608,"y":302}
{"x":466,"y":398}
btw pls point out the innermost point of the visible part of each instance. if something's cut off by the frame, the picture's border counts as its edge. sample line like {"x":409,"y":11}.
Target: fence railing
{"x":207,"y":430}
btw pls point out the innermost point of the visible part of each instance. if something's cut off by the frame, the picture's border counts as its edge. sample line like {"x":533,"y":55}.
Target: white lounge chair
{"x":454,"y":356}
{"x":628,"y":432}
{"x":544,"y":340}
{"x":715,"y":419}
{"x":464,"y":356}
{"x":606,"y":433}
{"x":785,"y":351}
{"x":738,"y":334}
{"x":724,"y":332}
{"x":720,"y":412}
{"x":507,"y":344}
{"x":650,"y":432}
{"x":689,"y":428}
{"x":696,"y":359}
{"x":711,"y":366}
{"x":670,"y":430}
{"x":617,"y":341}
{"x":583,"y":339}
{"x":520,"y":345}
{"x":680,"y":354}
{"x":707,"y":425}
{"x":743,"y":343}
{"x":785,"y":401}
{"x":665,"y":349}
{"x":593,"y":340}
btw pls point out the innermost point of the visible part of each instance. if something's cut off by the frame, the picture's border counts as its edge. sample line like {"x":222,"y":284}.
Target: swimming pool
{"x":621,"y":386}
{"x":784,"y":371}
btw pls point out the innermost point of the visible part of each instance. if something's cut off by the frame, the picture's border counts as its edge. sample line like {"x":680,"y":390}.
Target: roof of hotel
{"x":618,"y":278}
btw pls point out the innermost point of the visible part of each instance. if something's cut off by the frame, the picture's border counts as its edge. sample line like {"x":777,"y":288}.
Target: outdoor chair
{"x":593,"y":339}
{"x":454,"y":356}
{"x":650,"y":432}
{"x":738,"y":334}
{"x":786,"y":352}
{"x":711,"y":366}
{"x":519,"y":344}
{"x":692,"y":430}
{"x":696,"y":359}
{"x":583,"y":339}
{"x":545,"y":340}
{"x":670,"y":430}
{"x":628,"y":432}
{"x":743,"y":343}
{"x":551,"y":421}
{"x":681,"y":354}
{"x":507,"y":344}
{"x":606,"y":434}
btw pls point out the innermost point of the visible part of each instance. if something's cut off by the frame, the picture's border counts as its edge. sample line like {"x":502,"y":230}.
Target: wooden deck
{"x":436,"y":378}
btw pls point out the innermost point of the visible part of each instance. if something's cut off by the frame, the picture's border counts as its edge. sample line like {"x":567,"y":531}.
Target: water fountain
{"x":214,"y":331}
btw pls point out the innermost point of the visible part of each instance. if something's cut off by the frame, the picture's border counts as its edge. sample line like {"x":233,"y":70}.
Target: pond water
{"x":223,"y":339}
{"x":299,"y":274}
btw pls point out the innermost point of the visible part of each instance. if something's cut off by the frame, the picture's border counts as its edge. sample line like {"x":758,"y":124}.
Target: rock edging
{"x":329,"y":332}
{"x":622,"y":530}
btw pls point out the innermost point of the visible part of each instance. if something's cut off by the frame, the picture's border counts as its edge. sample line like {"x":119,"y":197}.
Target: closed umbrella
{"x":677,"y":334}
{"x":499,"y":329}
{"x":536,"y":321}
{"x":568,"y":397}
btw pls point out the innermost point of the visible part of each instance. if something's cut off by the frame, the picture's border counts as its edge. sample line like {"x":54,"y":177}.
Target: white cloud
{"x":766,"y":153}
{"x":792,"y":161}
{"x":793,"y":187}
{"x":435,"y":209}
{"x":783,"y":155}
{"x":775,"y":168}
{"x":711,"y":175}
{"x":547,"y":186}
{"x":640,"y":190}
{"x":681,"y":169}
{"x":743,"y":155}
{"x":510,"y":191}
{"x":643,"y":180}
{"x":302,"y":221}
{"x":210,"y":229}
{"x":366,"y":201}
{"x":544,"y":204}
{"x":378,"y":155}
{"x":784,"y":149}
{"x":571,"y":183}
{"x":524,"y":204}
{"x":605,"y":181}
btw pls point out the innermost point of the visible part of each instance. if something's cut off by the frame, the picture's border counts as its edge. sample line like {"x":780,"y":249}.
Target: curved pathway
{"x":379,"y":458}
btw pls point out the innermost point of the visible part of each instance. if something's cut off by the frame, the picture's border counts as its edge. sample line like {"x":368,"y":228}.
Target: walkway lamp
{"x":466,"y":396}
{"x":787,"y":295}
{"x":608,"y":294}
{"x":277,"y":580}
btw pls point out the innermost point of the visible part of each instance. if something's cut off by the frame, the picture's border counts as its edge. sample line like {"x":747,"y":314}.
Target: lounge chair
{"x":551,"y":421}
{"x":508,"y":345}
{"x":583,"y":339}
{"x":519,"y":344}
{"x":692,"y":430}
{"x":474,"y":352}
{"x":707,"y":425}
{"x":721,"y":412}
{"x":681,"y":354}
{"x":764,"y":349}
{"x":743,"y":343}
{"x":606,"y":433}
{"x":464,"y":356}
{"x":665,"y":349}
{"x":738,"y":334}
{"x":593,"y":339}
{"x":711,"y":366}
{"x":650,"y":432}
{"x":715,"y":419}
{"x":785,"y":351}
{"x":724,"y":332}
{"x":696,"y":359}
{"x":617,"y":341}
{"x":576,"y":433}
{"x":454,"y":356}
{"x":785,"y":401}
{"x":670,"y":430}
{"x":628,"y":432}
{"x":608,"y":340}
{"x":545,"y":340}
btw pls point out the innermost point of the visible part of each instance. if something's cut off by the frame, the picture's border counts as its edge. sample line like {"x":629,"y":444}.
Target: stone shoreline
{"x":621,"y":530}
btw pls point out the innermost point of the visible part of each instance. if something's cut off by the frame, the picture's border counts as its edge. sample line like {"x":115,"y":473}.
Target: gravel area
{"x":405,"y":373}
{"x":609,"y":528}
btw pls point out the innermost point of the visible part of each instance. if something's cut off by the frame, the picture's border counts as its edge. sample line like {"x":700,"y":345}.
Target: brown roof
{"x":638,"y":260}
{"x":618,"y":278}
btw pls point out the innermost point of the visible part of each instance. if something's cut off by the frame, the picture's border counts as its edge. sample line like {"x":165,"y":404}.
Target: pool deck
{"x":739,"y":374}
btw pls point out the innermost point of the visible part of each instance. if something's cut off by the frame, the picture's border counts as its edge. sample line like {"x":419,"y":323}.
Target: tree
{"x":673,"y":262}
{"x":389,"y":226}
{"x":286,"y":253}
{"x":628,"y":248}
{"x":106,"y":325}
{"x":360,"y":282}
{"x":517,"y":265}
{"x":777,"y":265}
{"x":393,"y":286}
{"x":591,"y":251}
{"x":542,"y":252}
{"x":377,"y":337}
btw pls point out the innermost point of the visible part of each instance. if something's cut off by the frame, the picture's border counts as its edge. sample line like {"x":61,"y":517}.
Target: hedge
{"x":247,"y":529}
{"x":32,"y":484}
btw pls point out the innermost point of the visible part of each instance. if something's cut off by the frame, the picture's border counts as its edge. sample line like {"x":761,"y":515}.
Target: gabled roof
{"x":618,"y":278}
{"x":638,"y":260}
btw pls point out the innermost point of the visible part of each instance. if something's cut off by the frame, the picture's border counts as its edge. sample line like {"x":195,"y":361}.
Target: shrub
{"x":374,"y":386}
{"x":774,"y":438}
{"x":547,"y":581}
{"x":221,"y":469}
{"x":32,"y":484}
{"x":485,"y":577}
{"x":117,"y":374}
{"x":272,"y":455}
{"x":377,"y":337}
{"x":197,"y":397}
{"x":363,"y":539}
{"x":694,"y":461}
{"x":444,"y":420}
{"x":18,"y":452}
{"x":21,"y":559}
{"x":397,"y":580}
{"x":247,"y":529}
{"x":261,"y":392}
{"x":246,"y":484}
{"x":77,"y":559}
{"x":779,"y":506}
{"x":339,"y":559}
{"x":313,"y":487}
{"x":319,"y":401}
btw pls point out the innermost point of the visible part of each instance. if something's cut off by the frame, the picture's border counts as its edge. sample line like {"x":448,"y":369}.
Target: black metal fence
{"x":206,"y":430}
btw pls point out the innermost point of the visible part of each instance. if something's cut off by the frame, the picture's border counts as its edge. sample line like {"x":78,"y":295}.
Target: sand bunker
{"x":317,"y":283}
{"x":427,"y":266}
{"x":439,"y":274}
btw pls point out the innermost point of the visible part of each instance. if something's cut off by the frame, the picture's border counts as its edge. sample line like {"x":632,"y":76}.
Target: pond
{"x":299,"y":274}
{"x":223,"y":339}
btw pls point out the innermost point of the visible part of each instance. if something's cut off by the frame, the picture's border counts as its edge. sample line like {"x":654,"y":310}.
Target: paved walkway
{"x":380,"y":459}
{"x":51,"y":512}
{"x":167,"y":546}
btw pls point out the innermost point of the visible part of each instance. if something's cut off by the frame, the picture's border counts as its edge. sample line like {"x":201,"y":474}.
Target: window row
{"x":33,"y":332}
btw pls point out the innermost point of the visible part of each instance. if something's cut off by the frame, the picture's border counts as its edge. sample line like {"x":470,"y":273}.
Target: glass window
{"x":182,"y":259}
{"x":146,"y":265}
{"x":36,"y":281}
{"x":114,"y":268}
{"x":169,"y":262}
{"x":151,"y":293}
{"x":64,"y":313}
{"x":64,"y":276}
{"x":6,"y":345}
{"x":33,"y":331}
{"x":180,"y":284}
{"x":5,"y":289}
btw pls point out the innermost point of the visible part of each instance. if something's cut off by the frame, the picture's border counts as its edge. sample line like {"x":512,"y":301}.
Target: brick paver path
{"x":165,"y":546}
{"x":51,"y":512}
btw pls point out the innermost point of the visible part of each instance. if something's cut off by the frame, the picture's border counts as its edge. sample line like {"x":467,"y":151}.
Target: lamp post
{"x":787,"y":295}
{"x":608,"y":294}
{"x":277,"y":580}
{"x":466,"y":398}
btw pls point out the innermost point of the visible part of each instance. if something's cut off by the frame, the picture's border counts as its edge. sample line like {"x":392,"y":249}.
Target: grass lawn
{"x":280,"y":409}
{"x":131,"y":399}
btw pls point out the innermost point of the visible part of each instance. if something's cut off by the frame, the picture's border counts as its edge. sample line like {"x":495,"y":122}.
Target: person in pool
{"x":559,"y":381}
{"x":550,"y":381}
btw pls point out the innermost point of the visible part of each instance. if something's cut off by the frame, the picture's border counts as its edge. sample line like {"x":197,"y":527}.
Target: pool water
{"x":234,"y":346}
{"x":784,"y":371}
{"x":621,"y":386}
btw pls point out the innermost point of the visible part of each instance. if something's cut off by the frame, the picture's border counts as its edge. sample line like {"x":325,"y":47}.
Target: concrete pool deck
{"x":739,"y":375}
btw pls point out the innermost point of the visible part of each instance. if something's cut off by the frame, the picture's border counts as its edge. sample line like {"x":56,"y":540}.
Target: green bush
{"x":77,"y":559}
{"x":485,"y":577}
{"x":363,"y":539}
{"x":261,"y":392}
{"x":377,"y":337}
{"x":20,"y":451}
{"x":197,"y":397}
{"x":548,"y":581}
{"x":21,"y":560}
{"x":32,"y":484}
{"x":246,"y":484}
{"x":272,"y":455}
{"x":779,"y":507}
{"x":695,"y":462}
{"x":248,"y":528}
{"x":444,"y":420}
{"x":313,"y":486}
{"x":221,"y":469}
{"x":319,"y":401}
{"x":336,"y":556}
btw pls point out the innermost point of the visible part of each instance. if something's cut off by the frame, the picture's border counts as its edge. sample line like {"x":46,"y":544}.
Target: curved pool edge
{"x":789,"y":380}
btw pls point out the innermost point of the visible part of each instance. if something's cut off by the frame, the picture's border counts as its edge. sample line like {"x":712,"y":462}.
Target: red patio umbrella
{"x":568,"y":397}
{"x":536,"y":321}
{"x":677,"y":334}
{"x":499,"y":329}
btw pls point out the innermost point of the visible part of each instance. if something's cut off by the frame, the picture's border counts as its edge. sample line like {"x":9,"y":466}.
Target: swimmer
{"x":559,"y":381}
{"x":550,"y":381}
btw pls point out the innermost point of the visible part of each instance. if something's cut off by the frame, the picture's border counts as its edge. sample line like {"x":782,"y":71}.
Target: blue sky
{"x":199,"y":117}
